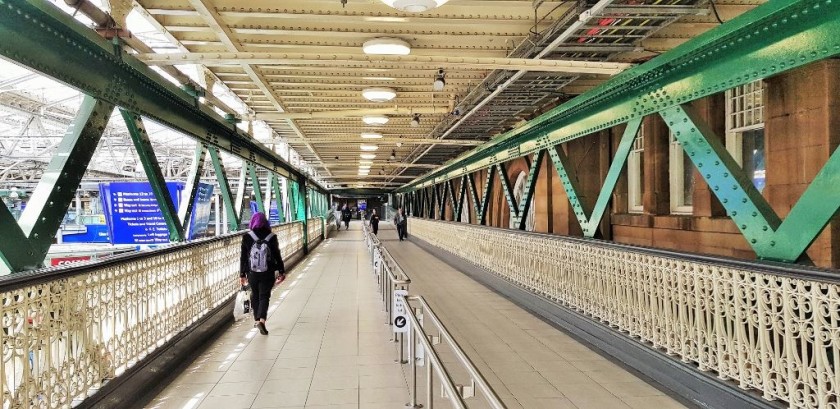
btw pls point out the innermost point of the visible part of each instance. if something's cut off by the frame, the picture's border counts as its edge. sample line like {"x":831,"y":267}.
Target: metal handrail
{"x":387,"y":271}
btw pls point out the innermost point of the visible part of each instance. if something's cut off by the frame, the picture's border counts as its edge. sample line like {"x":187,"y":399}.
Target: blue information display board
{"x":201,"y":211}
{"x":132,"y":212}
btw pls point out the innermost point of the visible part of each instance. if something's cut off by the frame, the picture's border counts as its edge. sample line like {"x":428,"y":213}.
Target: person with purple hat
{"x":260,"y":266}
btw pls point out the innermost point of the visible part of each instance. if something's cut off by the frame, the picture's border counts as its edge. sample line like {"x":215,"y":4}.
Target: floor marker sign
{"x":400,"y":311}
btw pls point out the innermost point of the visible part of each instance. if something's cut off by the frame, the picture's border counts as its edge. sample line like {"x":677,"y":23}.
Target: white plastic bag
{"x":242,"y":305}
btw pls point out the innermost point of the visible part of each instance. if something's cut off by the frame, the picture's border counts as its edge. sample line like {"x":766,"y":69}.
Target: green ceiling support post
{"x":474,"y":195}
{"x":224,"y":186}
{"x":241,"y":188}
{"x":462,"y":196}
{"x":143,"y":146}
{"x":508,"y":190}
{"x":525,"y":200}
{"x":769,"y":236}
{"x":278,"y":197}
{"x":302,"y":211}
{"x":442,"y":195}
{"x":451,"y":194}
{"x":291,"y":192}
{"x":485,"y":196}
{"x":255,"y":185}
{"x":589,"y":225}
{"x":430,"y":196}
{"x":193,"y":179}
{"x":55,"y":191}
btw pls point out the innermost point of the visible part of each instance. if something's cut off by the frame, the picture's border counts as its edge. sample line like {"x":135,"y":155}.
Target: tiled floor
{"x":328,"y":345}
{"x":529,"y":363}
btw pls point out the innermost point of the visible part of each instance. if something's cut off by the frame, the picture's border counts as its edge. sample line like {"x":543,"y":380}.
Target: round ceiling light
{"x":368,"y":156}
{"x":386,"y":46}
{"x":371,"y":135}
{"x":368,"y":148}
{"x":379,"y":94}
{"x":414,"y":6}
{"x":375,"y":119}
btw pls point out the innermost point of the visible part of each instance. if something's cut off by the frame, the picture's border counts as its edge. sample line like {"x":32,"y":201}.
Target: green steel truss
{"x":143,"y":145}
{"x":24,"y":244}
{"x":226,"y":194}
{"x":193,"y":179}
{"x":531,"y":183}
{"x":775,"y":37}
{"x":462,"y":197}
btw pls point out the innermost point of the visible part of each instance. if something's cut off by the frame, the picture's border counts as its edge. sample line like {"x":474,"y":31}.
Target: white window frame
{"x":744,"y":112}
{"x":676,"y":171}
{"x":635,"y":195}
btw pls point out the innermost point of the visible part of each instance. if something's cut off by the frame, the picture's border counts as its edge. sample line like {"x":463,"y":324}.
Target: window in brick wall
{"x":681,"y":173}
{"x":636,"y":174}
{"x":745,"y":129}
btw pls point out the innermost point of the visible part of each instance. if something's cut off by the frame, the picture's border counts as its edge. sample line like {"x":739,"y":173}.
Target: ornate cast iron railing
{"x":315,"y":227}
{"x":770,"y":328}
{"x":66,"y":332}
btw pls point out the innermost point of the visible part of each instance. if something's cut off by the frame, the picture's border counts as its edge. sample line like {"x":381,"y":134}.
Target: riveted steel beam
{"x":507,"y":189}
{"x":589,"y":224}
{"x":29,"y":239}
{"x":157,"y":181}
{"x":462,"y":197}
{"x":525,"y":201}
{"x":255,"y":185}
{"x":485,"y":196}
{"x":775,"y":37}
{"x":769,"y":236}
{"x":38,"y":35}
{"x":193,"y":179}
{"x":224,"y":187}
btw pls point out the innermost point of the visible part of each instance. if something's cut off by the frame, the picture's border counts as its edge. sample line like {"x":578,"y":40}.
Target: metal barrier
{"x":67,"y":331}
{"x":766,"y":326}
{"x":391,"y":277}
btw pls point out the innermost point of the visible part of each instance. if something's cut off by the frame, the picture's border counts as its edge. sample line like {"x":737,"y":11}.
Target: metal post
{"x":218,"y":215}
{"x":429,"y":386}
{"x":412,"y":355}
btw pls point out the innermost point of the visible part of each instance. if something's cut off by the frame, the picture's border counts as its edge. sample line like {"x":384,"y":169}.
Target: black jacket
{"x":276,"y":262}
{"x":374,"y":220}
{"x":346,"y":214}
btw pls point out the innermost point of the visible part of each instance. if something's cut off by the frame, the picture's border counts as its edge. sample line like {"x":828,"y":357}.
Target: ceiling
{"x":300,"y":67}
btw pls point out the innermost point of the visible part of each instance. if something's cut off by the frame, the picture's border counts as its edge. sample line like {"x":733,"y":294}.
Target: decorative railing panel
{"x":65,"y":332}
{"x":315,"y":228}
{"x":774,"y":329}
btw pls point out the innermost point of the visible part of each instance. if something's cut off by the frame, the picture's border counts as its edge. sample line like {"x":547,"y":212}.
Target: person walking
{"x":399,"y":223}
{"x":346,"y":215}
{"x":337,"y":217}
{"x":404,"y":226}
{"x":260,"y":260}
{"x":374,"y":221}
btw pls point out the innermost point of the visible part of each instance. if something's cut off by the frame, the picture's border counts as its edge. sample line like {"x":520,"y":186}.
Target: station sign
{"x":399,"y":316}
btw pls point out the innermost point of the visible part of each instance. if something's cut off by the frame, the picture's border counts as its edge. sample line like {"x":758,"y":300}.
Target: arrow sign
{"x":400,"y":311}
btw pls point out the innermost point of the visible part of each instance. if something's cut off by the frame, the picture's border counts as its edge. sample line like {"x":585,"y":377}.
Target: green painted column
{"x":255,"y":185}
{"x":278,"y":194}
{"x":24,"y":244}
{"x":302,"y":211}
{"x":196,"y":168}
{"x":224,"y":186}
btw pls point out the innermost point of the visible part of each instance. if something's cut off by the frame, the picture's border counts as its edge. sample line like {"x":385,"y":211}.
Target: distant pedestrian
{"x":400,"y":223}
{"x":374,"y":221}
{"x":261,"y":266}
{"x":346,"y":215}
{"x":337,"y":217}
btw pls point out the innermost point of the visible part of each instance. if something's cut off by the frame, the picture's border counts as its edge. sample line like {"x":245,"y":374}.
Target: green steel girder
{"x":255,"y":185}
{"x":450,"y":192}
{"x":241,"y":198}
{"x":769,"y":236}
{"x":37,"y":34}
{"x":485,"y":195}
{"x":143,"y":146}
{"x":440,"y":192}
{"x":24,"y":244}
{"x":462,"y":197}
{"x":530,"y":187}
{"x":507,"y":189}
{"x":302,"y":210}
{"x":224,"y":187}
{"x":278,"y":196}
{"x":474,"y":196}
{"x":290,"y":193}
{"x":589,"y":224}
{"x":193,"y":179}
{"x":775,"y":37}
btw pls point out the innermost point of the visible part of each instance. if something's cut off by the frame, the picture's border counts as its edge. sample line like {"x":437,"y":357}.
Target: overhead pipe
{"x":583,"y":18}
{"x":91,"y":11}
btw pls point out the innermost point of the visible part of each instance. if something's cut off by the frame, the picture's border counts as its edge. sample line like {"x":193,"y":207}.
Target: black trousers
{"x":261,"y":285}
{"x":375,"y":228}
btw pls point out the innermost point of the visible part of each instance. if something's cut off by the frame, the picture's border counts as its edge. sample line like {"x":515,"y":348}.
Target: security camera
{"x":456,"y":112}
